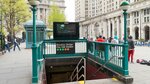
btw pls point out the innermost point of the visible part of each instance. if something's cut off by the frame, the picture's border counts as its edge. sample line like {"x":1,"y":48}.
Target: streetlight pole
{"x":124,"y":5}
{"x":125,"y":26}
{"x":34,"y":3}
{"x":34,"y":48}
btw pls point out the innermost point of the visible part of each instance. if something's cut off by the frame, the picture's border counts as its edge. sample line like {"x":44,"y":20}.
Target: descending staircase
{"x":91,"y":70}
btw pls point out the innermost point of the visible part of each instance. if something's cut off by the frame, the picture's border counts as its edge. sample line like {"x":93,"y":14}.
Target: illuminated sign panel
{"x":65,"y":48}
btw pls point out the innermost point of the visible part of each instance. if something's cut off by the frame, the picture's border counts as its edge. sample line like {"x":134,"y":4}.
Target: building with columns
{"x":43,"y":9}
{"x":110,"y":23}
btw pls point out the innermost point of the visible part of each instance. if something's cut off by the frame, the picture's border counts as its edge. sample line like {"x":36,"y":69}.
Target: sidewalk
{"x":140,"y":72}
{"x":15,"y":67}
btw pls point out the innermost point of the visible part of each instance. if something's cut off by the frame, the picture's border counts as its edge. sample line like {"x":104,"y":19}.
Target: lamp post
{"x":34,"y":3}
{"x":124,"y":6}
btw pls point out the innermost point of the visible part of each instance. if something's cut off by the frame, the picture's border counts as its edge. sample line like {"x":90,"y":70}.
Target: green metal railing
{"x":38,"y":63}
{"x":102,"y":52}
{"x":50,"y":48}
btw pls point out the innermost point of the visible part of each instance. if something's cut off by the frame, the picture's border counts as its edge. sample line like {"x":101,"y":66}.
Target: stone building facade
{"x":111,"y":23}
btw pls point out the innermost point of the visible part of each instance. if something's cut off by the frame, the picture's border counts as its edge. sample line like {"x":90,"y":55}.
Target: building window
{"x":128,"y":22}
{"x":41,"y":10}
{"x":144,"y":19}
{"x":137,"y":20}
{"x":134,"y":21}
{"x":128,"y":16}
{"x":147,"y":19}
{"x":134,"y":14}
{"x":137,"y":14}
{"x":147,"y":11}
{"x":144,"y":12}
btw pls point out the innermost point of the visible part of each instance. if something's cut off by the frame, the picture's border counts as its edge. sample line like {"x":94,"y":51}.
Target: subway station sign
{"x":65,"y":48}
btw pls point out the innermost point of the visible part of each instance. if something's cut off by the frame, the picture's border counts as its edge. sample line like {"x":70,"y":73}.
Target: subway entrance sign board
{"x":65,"y":48}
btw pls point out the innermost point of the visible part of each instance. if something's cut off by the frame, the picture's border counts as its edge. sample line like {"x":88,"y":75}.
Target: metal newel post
{"x":125,"y":64}
{"x":34,"y":49}
{"x":125,"y":5}
{"x":125,"y":26}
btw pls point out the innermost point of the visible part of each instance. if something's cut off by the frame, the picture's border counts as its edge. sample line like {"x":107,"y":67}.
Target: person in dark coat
{"x":130,"y":49}
{"x":16,"y":44}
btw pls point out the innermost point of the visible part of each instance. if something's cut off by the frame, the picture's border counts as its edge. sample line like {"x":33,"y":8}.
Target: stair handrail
{"x":103,"y":65}
{"x":78,"y":70}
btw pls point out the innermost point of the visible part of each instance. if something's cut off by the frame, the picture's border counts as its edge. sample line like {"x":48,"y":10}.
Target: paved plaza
{"x":140,"y":73}
{"x":15,"y":67}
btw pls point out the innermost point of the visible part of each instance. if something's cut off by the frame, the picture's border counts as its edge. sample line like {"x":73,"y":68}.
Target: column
{"x":92,"y":30}
{"x":81,"y":30}
{"x":122,"y":26}
{"x":141,"y":20}
{"x":113,"y":27}
{"x":87,"y":31}
{"x":132,"y":30}
{"x":117,"y":26}
{"x":108,"y":31}
{"x":105,"y":28}
{"x":38,"y":13}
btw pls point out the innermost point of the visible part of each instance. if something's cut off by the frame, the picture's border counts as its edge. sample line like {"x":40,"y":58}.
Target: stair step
{"x":91,"y":70}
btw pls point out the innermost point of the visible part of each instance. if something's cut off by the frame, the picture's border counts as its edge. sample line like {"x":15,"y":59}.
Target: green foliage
{"x":55,"y":15}
{"x":16,"y":12}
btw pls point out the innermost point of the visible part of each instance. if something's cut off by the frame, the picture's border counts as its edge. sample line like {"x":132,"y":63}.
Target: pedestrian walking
{"x":110,"y":40}
{"x":115,"y":40}
{"x":16,"y":44}
{"x":100,"y":39}
{"x":7,"y":45}
{"x":130,"y":49}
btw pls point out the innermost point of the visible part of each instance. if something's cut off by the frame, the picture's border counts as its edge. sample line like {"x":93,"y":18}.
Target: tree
{"x":55,"y":16}
{"x":15,"y":13}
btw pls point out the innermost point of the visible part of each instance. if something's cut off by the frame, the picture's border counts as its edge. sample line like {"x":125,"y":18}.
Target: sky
{"x":70,"y":10}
